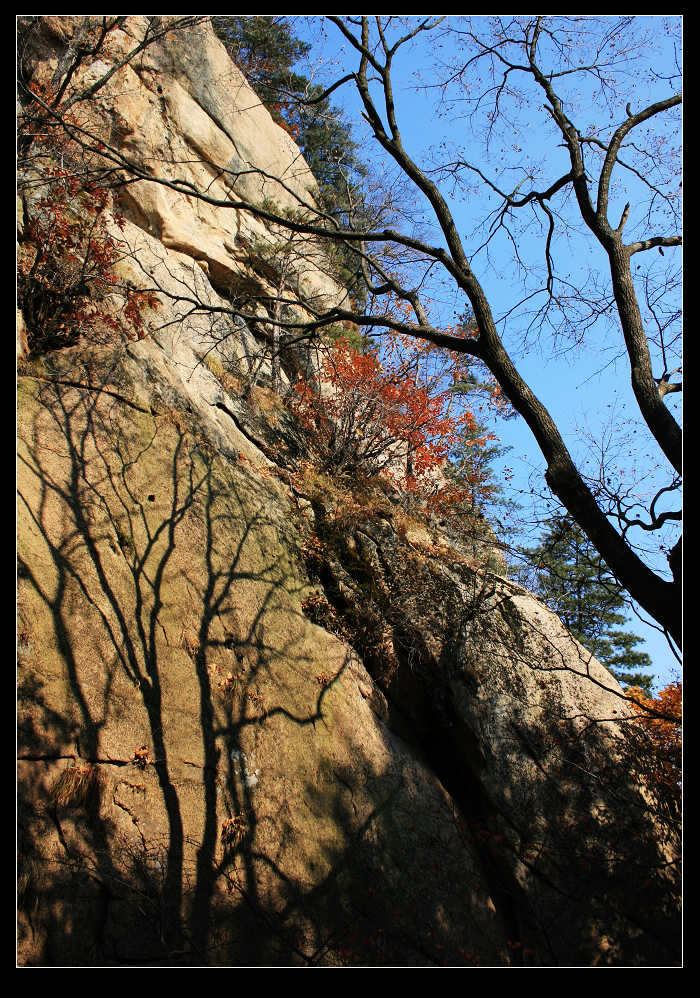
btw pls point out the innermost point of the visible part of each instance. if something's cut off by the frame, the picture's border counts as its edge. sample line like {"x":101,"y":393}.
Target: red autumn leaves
{"x":379,"y":416}
{"x":67,"y":269}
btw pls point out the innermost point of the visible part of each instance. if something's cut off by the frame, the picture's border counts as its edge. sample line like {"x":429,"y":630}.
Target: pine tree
{"x":567,"y":573}
{"x":267,"y":52}
{"x":473,"y":458}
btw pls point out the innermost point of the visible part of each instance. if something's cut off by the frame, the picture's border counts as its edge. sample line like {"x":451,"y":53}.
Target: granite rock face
{"x":265,"y":719}
{"x":182,"y":112}
{"x":249,"y":805}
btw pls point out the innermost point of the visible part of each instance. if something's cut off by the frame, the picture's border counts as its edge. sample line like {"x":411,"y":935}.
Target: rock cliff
{"x":264,"y":718}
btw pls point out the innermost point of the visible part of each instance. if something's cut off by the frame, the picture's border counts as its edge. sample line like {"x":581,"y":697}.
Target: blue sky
{"x":585,"y":386}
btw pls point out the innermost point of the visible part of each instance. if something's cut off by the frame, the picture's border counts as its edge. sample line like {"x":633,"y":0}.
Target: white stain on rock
{"x":244,"y":767}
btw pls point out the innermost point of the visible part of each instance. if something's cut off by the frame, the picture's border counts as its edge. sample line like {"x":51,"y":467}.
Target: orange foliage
{"x":660,"y":721}
{"x":378,"y":416}
{"x":68,"y":256}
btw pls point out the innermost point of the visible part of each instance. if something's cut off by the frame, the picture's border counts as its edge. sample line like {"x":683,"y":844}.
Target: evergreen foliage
{"x":266,"y":51}
{"x":472,"y":459}
{"x":568,"y":574}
